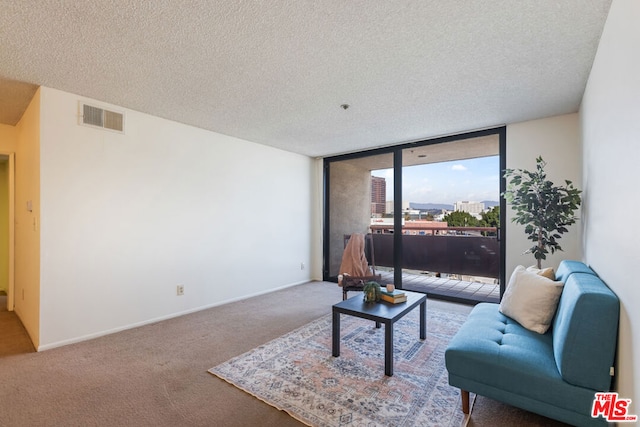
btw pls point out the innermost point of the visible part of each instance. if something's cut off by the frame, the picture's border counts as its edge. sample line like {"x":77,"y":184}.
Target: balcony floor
{"x":446,"y":288}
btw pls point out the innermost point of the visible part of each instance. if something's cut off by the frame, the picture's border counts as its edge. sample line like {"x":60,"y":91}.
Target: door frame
{"x":11,"y":228}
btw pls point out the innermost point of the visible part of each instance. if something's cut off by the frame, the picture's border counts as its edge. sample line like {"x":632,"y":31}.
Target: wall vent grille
{"x":99,"y":117}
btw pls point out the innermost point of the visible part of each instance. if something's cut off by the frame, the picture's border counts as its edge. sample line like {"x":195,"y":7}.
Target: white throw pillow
{"x":531,"y":299}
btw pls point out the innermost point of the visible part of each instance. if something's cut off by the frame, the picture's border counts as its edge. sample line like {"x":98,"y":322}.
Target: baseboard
{"x":87,"y":337}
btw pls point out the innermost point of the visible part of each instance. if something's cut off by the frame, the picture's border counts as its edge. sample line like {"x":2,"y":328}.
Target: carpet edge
{"x":273,"y":405}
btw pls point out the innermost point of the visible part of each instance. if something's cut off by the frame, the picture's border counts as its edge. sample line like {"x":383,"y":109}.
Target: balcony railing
{"x":461,"y":254}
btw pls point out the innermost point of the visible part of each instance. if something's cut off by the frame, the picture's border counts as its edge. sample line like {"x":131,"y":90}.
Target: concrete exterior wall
{"x":350,"y":202}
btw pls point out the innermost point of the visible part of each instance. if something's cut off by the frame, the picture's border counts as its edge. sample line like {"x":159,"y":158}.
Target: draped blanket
{"x":354,"y":261}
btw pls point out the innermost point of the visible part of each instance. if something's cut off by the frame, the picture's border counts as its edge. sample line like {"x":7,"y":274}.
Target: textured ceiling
{"x":277,"y":72}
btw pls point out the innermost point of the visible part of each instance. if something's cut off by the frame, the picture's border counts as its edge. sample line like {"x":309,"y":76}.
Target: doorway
{"x":417,"y":243}
{"x":7,"y":230}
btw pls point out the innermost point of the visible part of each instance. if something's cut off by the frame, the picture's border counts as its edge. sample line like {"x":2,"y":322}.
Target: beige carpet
{"x":156,"y":375}
{"x":488,"y":412}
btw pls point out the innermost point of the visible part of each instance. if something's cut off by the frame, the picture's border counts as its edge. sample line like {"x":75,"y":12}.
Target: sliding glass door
{"x":432,"y":210}
{"x":450,"y":248}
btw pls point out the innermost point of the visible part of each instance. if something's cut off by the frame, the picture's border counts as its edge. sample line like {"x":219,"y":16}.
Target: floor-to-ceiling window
{"x":432,"y":209}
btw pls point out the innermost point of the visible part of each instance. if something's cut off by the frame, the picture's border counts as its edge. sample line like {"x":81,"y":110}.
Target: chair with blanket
{"x":355,"y":270}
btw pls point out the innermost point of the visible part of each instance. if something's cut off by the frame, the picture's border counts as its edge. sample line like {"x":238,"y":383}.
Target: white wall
{"x":126,"y":218}
{"x":8,"y":138}
{"x":610,"y":115}
{"x":557,"y":140}
{"x":27,"y":221}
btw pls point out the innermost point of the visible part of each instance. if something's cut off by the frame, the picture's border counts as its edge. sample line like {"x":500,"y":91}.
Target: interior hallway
{"x":13,"y":337}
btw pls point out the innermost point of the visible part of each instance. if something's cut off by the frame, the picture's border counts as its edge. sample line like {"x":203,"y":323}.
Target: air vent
{"x":99,"y":117}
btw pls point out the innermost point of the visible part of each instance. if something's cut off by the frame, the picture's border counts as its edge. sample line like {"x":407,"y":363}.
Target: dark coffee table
{"x":380,"y":312}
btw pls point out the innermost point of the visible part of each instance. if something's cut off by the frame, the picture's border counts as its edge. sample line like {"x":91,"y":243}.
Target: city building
{"x":378,"y":195}
{"x":474,"y":208}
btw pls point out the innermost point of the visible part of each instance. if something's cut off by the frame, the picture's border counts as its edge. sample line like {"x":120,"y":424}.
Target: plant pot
{"x":371,"y":292}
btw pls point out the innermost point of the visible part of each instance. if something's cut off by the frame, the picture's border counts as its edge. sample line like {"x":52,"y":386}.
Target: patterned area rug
{"x":296,"y":373}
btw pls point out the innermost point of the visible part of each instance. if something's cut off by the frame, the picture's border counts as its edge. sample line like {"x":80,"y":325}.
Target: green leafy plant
{"x":460,"y":219}
{"x":371,"y":292}
{"x":490,"y":218}
{"x":546,"y":210}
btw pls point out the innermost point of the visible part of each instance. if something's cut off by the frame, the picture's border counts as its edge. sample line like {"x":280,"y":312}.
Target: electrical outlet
{"x":302,"y":266}
{"x":180,"y":290}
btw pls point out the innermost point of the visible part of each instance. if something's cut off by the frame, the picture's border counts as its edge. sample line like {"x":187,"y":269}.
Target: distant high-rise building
{"x":405,"y":207}
{"x":378,"y":195}
{"x":470,"y":207}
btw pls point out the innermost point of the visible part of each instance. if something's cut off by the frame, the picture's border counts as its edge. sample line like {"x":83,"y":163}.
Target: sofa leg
{"x":465,"y":401}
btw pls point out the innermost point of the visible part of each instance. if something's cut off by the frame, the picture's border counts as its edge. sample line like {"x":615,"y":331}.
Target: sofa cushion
{"x":531,"y":299}
{"x":585,"y":331}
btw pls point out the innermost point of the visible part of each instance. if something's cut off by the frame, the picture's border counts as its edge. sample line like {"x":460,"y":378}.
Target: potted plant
{"x":371,"y":292}
{"x":546,"y":210}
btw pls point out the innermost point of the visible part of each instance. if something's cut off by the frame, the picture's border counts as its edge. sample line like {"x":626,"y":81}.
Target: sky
{"x":472,"y":180}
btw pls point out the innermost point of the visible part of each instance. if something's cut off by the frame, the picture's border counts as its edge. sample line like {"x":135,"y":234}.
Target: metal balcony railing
{"x":461,"y":254}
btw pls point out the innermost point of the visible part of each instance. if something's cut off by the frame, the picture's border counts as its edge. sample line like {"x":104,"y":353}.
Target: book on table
{"x":393,"y":300}
{"x":396,"y":293}
{"x":395,"y":296}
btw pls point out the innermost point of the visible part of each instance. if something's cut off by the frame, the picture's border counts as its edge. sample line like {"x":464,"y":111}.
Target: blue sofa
{"x":555,"y":374}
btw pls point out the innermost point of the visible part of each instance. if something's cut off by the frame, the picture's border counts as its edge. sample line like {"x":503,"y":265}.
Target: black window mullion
{"x":397,"y":218}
